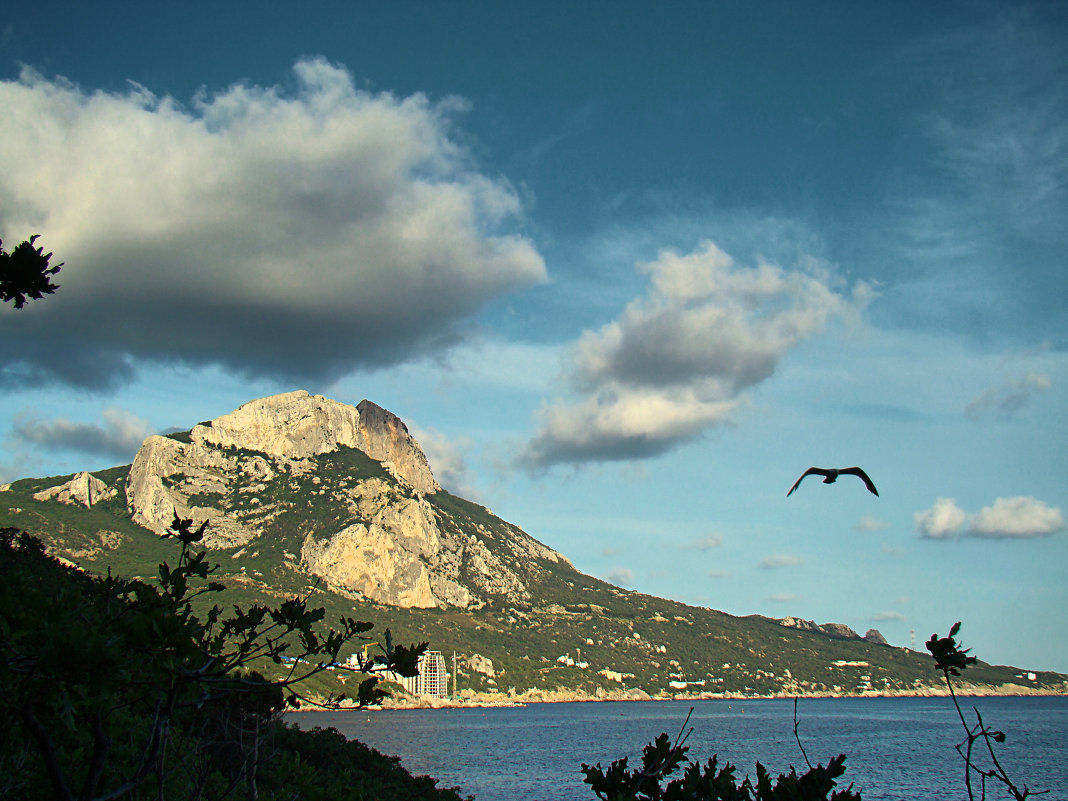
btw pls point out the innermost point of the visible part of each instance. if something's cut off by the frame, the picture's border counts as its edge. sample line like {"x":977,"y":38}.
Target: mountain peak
{"x":299,"y":425}
{"x":170,"y":475}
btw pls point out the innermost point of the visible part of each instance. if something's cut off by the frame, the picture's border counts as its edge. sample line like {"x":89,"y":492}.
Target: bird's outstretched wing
{"x":856,"y":471}
{"x":812,"y":471}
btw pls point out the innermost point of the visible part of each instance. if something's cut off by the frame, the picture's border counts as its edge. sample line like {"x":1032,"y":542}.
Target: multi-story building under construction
{"x":433,"y":679}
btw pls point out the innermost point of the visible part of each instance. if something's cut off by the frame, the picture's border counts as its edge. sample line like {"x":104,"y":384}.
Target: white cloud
{"x":679,"y":359}
{"x":622,"y":576}
{"x":623,"y":424}
{"x":120,"y":435}
{"x":782,"y":597}
{"x":942,"y":520}
{"x":779,"y":560}
{"x":1018,"y":517}
{"x":286,"y":233}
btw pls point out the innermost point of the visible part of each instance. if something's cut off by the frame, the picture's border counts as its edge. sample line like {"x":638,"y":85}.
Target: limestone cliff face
{"x":383,"y":436}
{"x":169,"y":478}
{"x":387,"y":557}
{"x":252,"y":444}
{"x":282,"y":473}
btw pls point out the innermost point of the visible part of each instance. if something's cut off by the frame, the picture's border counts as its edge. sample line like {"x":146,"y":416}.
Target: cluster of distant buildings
{"x":432,"y":678}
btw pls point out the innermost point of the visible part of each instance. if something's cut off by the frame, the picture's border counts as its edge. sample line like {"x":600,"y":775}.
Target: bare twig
{"x":798,"y":737}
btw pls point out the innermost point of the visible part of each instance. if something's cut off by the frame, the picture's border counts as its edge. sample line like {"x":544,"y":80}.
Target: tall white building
{"x":433,"y":679}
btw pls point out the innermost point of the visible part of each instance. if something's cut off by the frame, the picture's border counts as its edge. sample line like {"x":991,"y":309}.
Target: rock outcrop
{"x":839,"y":631}
{"x":84,"y":489}
{"x":875,"y":637}
{"x":169,"y":478}
{"x":388,"y":557}
{"x":481,"y":664}
{"x":255,"y":443}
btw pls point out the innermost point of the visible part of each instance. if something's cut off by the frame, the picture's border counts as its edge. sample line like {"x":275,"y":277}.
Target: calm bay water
{"x":897,"y":749}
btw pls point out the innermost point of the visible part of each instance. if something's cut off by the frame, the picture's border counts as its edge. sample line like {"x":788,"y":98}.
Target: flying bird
{"x":830,"y":475}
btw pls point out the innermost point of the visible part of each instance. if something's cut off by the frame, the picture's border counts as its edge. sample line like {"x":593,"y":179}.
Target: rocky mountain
{"x":248,"y":471}
{"x":301,"y":490}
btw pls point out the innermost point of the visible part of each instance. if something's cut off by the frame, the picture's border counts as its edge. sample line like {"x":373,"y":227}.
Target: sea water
{"x":897,"y":749}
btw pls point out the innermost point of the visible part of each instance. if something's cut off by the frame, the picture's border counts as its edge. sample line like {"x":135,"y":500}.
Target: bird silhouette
{"x":830,"y":475}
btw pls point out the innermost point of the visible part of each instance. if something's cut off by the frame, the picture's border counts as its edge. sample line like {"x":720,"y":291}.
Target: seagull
{"x":830,"y":475}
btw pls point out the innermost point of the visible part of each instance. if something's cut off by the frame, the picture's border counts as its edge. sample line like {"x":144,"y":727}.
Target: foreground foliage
{"x":118,"y":688}
{"x":710,"y":782}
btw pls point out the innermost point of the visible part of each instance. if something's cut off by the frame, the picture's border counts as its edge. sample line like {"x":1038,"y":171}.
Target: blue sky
{"x":626,"y":270}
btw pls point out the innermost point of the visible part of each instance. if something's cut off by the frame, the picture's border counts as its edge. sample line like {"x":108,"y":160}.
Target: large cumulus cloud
{"x":680,"y":358}
{"x":291,"y":233}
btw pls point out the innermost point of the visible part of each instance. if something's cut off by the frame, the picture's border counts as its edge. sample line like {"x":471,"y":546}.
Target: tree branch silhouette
{"x":950,"y":659}
{"x":25,"y":273}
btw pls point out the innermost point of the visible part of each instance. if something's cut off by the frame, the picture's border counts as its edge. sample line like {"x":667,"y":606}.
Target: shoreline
{"x":476,"y":701}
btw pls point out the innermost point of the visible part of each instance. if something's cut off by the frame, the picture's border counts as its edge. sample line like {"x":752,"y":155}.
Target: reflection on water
{"x":896,"y":748}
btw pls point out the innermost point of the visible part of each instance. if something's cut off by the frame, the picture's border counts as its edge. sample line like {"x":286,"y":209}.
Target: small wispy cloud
{"x":1007,"y":399}
{"x":943,"y":520}
{"x":705,"y":543}
{"x":448,"y":460}
{"x":1019,"y":517}
{"x":782,"y":597}
{"x":883,"y":617}
{"x":718,"y":573}
{"x":868,"y":523}
{"x":778,"y":560}
{"x":622,"y":576}
{"x":119,"y":435}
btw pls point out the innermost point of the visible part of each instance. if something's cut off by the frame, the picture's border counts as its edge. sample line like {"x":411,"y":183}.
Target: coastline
{"x":484,"y":700}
